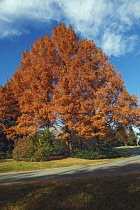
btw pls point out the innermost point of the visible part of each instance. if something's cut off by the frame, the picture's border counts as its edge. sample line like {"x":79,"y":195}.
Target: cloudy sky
{"x":114,"y":25}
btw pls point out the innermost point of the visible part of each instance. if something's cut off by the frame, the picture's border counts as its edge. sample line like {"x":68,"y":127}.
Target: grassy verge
{"x":14,"y":166}
{"x":112,"y":192}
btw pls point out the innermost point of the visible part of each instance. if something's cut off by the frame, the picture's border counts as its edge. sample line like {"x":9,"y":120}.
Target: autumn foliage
{"x":69,"y":85}
{"x":9,"y":109}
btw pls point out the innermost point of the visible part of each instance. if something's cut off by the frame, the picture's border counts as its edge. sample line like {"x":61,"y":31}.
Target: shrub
{"x":43,"y":146}
{"x":88,"y":154}
{"x":23,"y":149}
{"x":104,"y":152}
{"x":34,"y":148}
{"x":109,"y":152}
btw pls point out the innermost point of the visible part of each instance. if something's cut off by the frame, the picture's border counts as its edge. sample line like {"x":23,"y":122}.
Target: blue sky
{"x":113,"y":25}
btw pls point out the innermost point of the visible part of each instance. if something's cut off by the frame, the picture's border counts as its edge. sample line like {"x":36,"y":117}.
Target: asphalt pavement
{"x":123,"y":166}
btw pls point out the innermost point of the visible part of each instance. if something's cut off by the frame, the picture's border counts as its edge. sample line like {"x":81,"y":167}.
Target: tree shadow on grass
{"x":82,"y":187}
{"x":104,"y":192}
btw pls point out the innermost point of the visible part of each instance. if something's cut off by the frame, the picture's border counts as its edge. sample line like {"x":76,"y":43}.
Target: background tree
{"x":8,"y":115}
{"x":132,"y":137}
{"x":122,"y":135}
{"x":9,"y":110}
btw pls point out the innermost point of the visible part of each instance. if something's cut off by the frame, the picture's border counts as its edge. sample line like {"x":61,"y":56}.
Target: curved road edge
{"x":123,"y":166}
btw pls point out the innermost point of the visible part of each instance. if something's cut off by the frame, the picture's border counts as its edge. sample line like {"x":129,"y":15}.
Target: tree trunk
{"x":97,"y":143}
{"x":69,"y":148}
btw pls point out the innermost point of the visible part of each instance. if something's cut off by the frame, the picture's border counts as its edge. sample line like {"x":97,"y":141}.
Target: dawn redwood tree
{"x":71,"y":81}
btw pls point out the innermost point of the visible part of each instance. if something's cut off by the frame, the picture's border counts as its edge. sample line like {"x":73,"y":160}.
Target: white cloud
{"x":111,"y":24}
{"x":11,"y":32}
{"x":117,"y":45}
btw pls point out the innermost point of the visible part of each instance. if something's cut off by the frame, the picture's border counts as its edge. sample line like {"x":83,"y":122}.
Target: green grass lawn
{"x":14,"y":166}
{"x":104,"y":193}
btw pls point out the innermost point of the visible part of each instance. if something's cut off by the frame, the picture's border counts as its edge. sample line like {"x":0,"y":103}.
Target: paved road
{"x":127,"y":165}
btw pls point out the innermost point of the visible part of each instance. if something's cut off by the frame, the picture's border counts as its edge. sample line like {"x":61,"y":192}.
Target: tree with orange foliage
{"x":67,"y":80}
{"x":89,"y":96}
{"x":8,"y":108}
{"x":33,"y":84}
{"x":8,"y":115}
